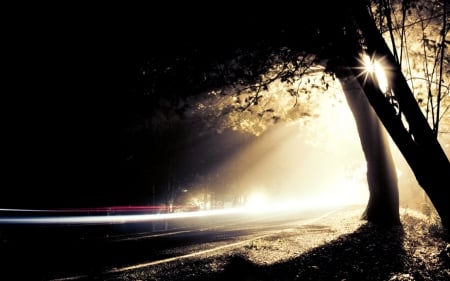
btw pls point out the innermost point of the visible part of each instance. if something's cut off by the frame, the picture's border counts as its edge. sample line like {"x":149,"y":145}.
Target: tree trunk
{"x":383,"y":205}
{"x":417,"y":143}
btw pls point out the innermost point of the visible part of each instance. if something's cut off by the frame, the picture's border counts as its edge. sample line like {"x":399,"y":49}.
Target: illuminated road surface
{"x":79,"y":247}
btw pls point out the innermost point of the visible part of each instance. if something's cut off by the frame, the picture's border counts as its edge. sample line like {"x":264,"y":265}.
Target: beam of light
{"x":291,"y":168}
{"x":374,"y":68}
{"x":37,"y":217}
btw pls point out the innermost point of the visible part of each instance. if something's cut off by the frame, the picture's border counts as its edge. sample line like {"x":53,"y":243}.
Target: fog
{"x":318,"y":161}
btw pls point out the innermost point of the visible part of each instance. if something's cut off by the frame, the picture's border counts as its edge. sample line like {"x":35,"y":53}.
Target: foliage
{"x":254,"y":108}
{"x":252,"y":86}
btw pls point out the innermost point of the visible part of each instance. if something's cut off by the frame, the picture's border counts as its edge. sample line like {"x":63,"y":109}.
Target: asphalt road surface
{"x":79,"y":251}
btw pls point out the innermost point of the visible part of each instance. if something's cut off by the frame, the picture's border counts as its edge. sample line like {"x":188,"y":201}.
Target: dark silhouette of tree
{"x":383,"y":205}
{"x":418,"y":143}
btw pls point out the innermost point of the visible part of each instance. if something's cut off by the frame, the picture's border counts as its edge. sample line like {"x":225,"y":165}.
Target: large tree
{"x":416,"y":140}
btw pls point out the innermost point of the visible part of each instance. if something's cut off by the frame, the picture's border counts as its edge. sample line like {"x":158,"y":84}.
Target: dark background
{"x":72,"y":85}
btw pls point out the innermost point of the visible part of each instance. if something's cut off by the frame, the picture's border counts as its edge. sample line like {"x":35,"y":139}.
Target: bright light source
{"x":257,"y":200}
{"x":373,"y":66}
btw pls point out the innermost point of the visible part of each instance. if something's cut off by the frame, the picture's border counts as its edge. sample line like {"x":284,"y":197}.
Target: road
{"x":79,"y":251}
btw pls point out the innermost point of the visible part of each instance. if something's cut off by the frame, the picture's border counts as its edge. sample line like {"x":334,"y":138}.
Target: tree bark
{"x":417,"y":143}
{"x":383,"y":205}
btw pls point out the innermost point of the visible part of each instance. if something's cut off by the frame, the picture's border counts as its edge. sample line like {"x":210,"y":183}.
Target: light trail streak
{"x":106,"y":219}
{"x":91,"y":215}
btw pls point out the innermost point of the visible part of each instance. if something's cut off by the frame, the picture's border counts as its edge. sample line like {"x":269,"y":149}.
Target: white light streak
{"x":258,"y":204}
{"x":105,"y":219}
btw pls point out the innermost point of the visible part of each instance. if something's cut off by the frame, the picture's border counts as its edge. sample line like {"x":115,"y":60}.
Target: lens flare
{"x":374,"y":68}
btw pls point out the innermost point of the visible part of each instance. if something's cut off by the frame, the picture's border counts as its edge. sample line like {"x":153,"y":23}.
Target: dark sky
{"x":70,"y":86}
{"x":64,"y":103}
{"x":70,"y":75}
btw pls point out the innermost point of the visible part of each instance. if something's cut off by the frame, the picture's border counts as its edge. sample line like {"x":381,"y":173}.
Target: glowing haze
{"x":312,"y":153}
{"x":320,"y":159}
